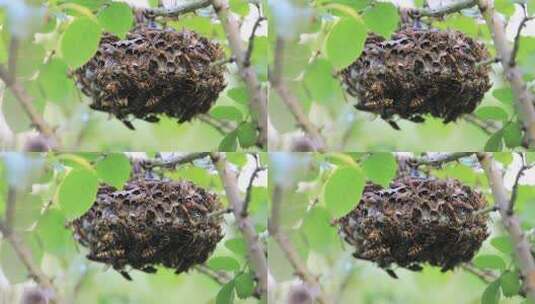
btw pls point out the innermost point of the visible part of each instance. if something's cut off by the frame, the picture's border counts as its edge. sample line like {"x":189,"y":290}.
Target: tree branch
{"x":485,"y":275}
{"x":173,"y":162}
{"x":221,"y":126}
{"x":516,"y":44}
{"x":23,"y":252}
{"x":257,"y":94}
{"x":26,"y":102}
{"x":523,"y":97}
{"x":250,"y":47}
{"x":300,"y":267}
{"x":220,"y":277}
{"x":291,"y":100}
{"x":524,"y":259}
{"x":488,"y":127}
{"x":256,"y":253}
{"x":177,"y":10}
{"x":247,"y":199}
{"x":514,"y":191}
{"x":445,"y":10}
{"x":438,"y":160}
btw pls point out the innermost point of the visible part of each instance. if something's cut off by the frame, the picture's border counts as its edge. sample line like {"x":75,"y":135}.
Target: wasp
{"x":415,"y":250}
{"x":148,"y":253}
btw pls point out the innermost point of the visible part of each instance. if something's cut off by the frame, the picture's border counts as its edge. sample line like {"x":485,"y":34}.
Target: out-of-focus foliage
{"x":313,"y":196}
{"x":57,"y":36}
{"x":331,"y":35}
{"x":63,"y":186}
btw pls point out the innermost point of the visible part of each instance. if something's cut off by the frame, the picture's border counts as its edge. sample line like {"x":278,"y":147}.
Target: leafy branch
{"x":291,"y":101}
{"x":256,"y":252}
{"x":521,"y":246}
{"x":21,"y":249}
{"x":301,"y":269}
{"x":257,"y":94}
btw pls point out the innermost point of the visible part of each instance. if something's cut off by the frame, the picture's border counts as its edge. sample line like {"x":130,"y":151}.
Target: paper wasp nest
{"x":150,"y":223}
{"x":153,"y":72}
{"x":418,"y":72}
{"x":416,"y":221}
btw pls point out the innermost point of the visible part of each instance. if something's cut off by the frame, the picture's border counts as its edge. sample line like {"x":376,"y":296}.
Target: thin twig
{"x":516,"y":44}
{"x":220,"y":277}
{"x":249,"y":189}
{"x":489,"y":127}
{"x":485,"y":210}
{"x":514,"y":191}
{"x":177,"y":10}
{"x":524,"y":259}
{"x":221,"y":126}
{"x":255,"y":248}
{"x":172,"y":162}
{"x":300,"y":267}
{"x":250,"y":47}
{"x":485,"y":275}
{"x":257,"y":93}
{"x":291,"y":100}
{"x":13,"y":54}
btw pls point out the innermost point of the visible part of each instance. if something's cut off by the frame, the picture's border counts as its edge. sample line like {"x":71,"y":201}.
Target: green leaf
{"x":116,"y":18}
{"x":343,"y":190}
{"x":345,"y":41}
{"x":380,"y":168}
{"x":237,"y":158}
{"x":494,"y":143}
{"x":54,"y":81}
{"x":114,"y":169}
{"x":505,"y":95}
{"x":319,"y":232}
{"x":510,"y":283}
{"x":77,"y":192}
{"x":355,"y":4}
{"x":490,"y":112}
{"x":223,"y":263}
{"x":505,"y":7}
{"x":512,"y":135}
{"x":319,"y":81}
{"x":227,"y":112}
{"x":52,"y":232}
{"x":244,"y":284}
{"x":382,"y":18}
{"x":229,"y":142}
{"x":503,"y":244}
{"x":237,"y":246}
{"x":247,"y":134}
{"x":505,"y":158}
{"x":226,"y":294}
{"x":240,"y":7}
{"x":80,"y":41}
{"x":491,"y":295}
{"x":239,"y":95}
{"x":489,"y":261}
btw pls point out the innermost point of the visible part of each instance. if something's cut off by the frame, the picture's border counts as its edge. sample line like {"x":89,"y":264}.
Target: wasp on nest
{"x":416,"y":220}
{"x":149,"y":223}
{"x":417,"y":72}
{"x":154,"y":72}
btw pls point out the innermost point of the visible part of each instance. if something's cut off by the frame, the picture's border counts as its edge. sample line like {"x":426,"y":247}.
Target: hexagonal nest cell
{"x":415,"y":221}
{"x":150,"y":223}
{"x":418,"y":72}
{"x":153,"y":72}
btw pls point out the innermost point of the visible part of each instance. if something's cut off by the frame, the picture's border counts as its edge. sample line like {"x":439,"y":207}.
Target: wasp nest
{"x":416,"y":220}
{"x":418,"y":72}
{"x":153,"y":72}
{"x":149,"y":223}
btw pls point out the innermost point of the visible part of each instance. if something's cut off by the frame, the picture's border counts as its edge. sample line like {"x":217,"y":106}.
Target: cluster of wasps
{"x":416,"y":220}
{"x":153,"y":72}
{"x":417,"y":72}
{"x":150,"y":223}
